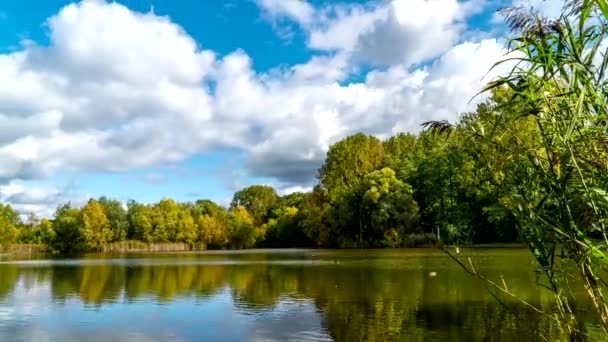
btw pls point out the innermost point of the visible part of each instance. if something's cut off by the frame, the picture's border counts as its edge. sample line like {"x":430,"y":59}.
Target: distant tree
{"x":187,"y":230}
{"x":391,"y":209}
{"x":207,"y":207}
{"x":165,"y":220}
{"x":30,"y":231}
{"x":117,"y":215}
{"x":295,"y":199}
{"x":95,"y":225}
{"x":347,"y":162}
{"x":140,"y":222}
{"x":286,"y":229}
{"x":212,"y":231}
{"x":318,"y":221}
{"x":69,"y":236}
{"x":257,"y":200}
{"x":9,"y":223}
{"x":241,"y":227}
{"x":211,"y":222}
{"x":340,"y":177}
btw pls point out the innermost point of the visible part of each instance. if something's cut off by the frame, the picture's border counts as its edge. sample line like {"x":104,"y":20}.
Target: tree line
{"x":530,"y":164}
{"x":407,"y":190}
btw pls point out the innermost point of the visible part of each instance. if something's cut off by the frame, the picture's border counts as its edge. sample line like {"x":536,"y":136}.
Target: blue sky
{"x":145,"y":99}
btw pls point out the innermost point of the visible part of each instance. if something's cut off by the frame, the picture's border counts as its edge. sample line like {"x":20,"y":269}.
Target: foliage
{"x":392,"y":211}
{"x":69,"y":236}
{"x":550,"y":138}
{"x":241,"y":228}
{"x":258,"y":200}
{"x":9,"y":220}
{"x":96,"y":227}
{"x":117,"y":215}
{"x":285,"y":229}
{"x":140,"y":223}
{"x":347,"y":162}
{"x":212,"y":231}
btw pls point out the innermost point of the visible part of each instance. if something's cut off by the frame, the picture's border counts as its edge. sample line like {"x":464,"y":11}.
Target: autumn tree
{"x":212,"y":231}
{"x":187,"y":229}
{"x":9,"y":223}
{"x":96,"y":227}
{"x":241,"y":227}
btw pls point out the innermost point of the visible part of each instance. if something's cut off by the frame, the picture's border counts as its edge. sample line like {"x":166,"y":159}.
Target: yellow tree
{"x":212,"y":231}
{"x":243,"y":233}
{"x":96,"y":226}
{"x":186,"y":227}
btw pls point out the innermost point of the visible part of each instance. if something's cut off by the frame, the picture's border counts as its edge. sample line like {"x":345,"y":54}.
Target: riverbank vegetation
{"x":529,"y":164}
{"x":545,"y":144}
{"x":407,"y":190}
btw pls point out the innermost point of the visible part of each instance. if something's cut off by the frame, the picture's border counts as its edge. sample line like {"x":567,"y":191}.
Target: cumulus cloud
{"x":298,"y":10}
{"x":385,"y":33}
{"x":36,"y":199}
{"x":304,"y":120}
{"x":116,"y":90}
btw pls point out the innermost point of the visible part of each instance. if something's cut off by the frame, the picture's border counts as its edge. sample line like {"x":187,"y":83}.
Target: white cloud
{"x":385,"y":33}
{"x":342,"y":26}
{"x":299,"y":10}
{"x":412,"y":31}
{"x":102,"y":95}
{"x":117,"y":90}
{"x":292,"y":189}
{"x":42,"y":201}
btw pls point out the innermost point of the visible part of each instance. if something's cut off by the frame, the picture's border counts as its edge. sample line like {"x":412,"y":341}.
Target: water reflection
{"x":302,"y":295}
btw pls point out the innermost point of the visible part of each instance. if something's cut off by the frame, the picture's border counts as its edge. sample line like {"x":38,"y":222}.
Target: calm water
{"x":302,"y":295}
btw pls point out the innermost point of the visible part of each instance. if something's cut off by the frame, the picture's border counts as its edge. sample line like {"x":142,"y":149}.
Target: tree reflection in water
{"x":371,"y":296}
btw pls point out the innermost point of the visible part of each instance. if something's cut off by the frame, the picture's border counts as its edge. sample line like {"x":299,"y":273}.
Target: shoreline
{"x":142,"y":247}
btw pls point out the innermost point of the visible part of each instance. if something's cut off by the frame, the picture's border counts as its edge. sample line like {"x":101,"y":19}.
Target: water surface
{"x":276,"y":295}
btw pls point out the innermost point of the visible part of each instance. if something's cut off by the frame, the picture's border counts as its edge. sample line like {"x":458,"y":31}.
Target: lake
{"x":272,"y":295}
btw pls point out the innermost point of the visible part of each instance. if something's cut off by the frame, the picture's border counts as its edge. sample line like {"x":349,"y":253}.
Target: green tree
{"x":347,"y":162}
{"x":9,"y":223}
{"x":556,"y":182}
{"x":69,"y":236}
{"x":165,"y":220}
{"x":207,"y":207}
{"x":340,"y":177}
{"x":391,"y":208}
{"x":285,"y":229}
{"x":318,"y":221}
{"x":257,"y":199}
{"x":295,"y":199}
{"x":140,"y":222}
{"x":36,"y":231}
{"x":117,"y":215}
